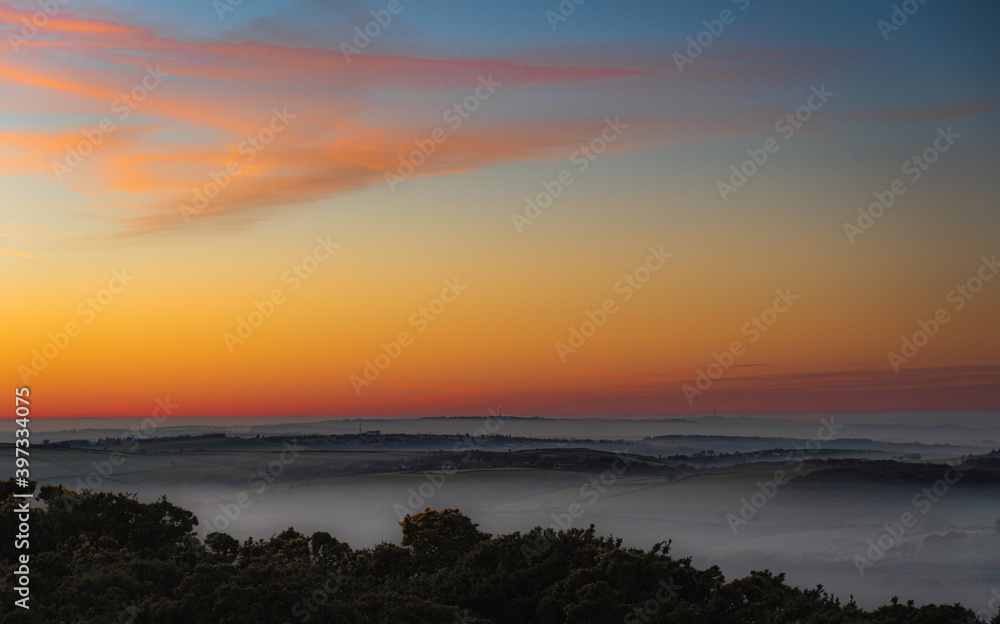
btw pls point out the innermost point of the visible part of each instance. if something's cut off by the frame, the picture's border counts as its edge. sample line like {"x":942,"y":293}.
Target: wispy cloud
{"x":354,"y":118}
{"x":16,"y":254}
{"x":216,"y":94}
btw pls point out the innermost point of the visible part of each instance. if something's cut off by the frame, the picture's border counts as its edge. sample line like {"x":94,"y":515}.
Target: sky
{"x":413,"y":207}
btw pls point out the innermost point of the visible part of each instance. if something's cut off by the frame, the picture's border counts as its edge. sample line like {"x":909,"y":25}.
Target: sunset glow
{"x":253,"y":214}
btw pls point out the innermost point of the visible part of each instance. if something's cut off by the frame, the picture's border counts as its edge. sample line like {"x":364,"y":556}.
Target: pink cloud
{"x":170,"y":135}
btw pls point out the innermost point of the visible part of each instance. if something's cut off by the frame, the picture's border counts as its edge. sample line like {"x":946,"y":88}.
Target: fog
{"x":951,"y":554}
{"x":967,"y":429}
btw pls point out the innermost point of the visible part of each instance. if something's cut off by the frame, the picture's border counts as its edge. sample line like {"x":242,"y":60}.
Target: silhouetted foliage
{"x":108,"y":558}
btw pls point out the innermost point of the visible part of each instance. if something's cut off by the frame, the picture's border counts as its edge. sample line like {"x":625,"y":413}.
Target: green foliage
{"x":107,"y":558}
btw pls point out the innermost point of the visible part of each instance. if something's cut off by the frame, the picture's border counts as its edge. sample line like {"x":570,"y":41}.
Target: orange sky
{"x":298,"y":147}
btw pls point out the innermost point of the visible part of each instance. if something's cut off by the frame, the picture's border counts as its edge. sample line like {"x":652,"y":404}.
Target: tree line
{"x":107,"y":558}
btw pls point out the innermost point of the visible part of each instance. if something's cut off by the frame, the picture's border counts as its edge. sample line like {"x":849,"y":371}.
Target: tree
{"x":440,"y":537}
{"x":224,"y":545}
{"x":110,"y":558}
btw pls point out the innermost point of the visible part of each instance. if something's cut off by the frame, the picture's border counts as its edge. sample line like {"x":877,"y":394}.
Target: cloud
{"x":16,"y":254}
{"x":929,"y":114}
{"x":168,"y":140}
{"x":354,"y":118}
{"x":928,"y":388}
